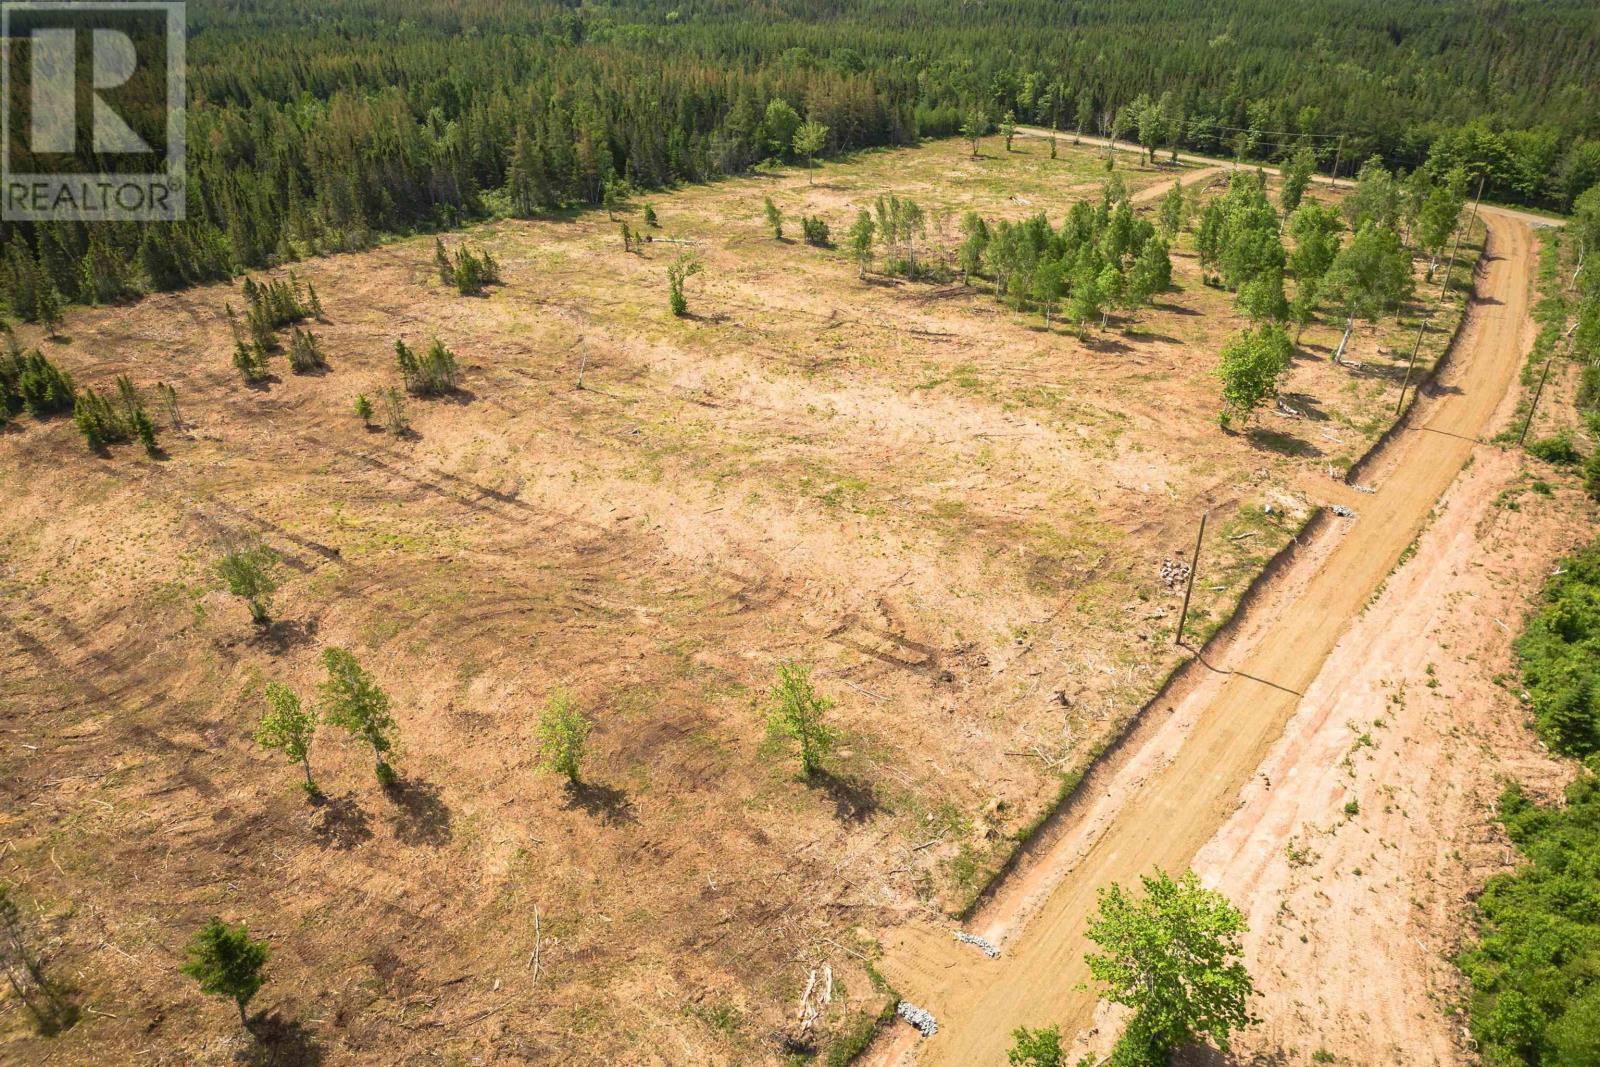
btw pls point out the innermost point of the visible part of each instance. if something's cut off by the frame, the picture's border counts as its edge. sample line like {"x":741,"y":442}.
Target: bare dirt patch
{"x":958,"y":515}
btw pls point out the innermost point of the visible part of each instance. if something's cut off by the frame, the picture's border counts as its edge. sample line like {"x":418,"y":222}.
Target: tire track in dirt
{"x":1182,"y":775}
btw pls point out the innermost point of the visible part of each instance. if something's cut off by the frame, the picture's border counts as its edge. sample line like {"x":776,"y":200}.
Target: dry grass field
{"x":956,"y":515}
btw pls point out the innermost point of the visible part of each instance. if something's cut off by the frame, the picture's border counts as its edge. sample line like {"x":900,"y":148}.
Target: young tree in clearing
{"x":394,"y":412}
{"x":1377,"y":197}
{"x":251,"y":572}
{"x":1439,"y":213}
{"x":650,"y":216}
{"x":563,"y":734}
{"x":975,"y":126}
{"x":1171,"y":211}
{"x":1045,"y":288}
{"x":1173,"y":957}
{"x":227,"y":962}
{"x":974,"y":244}
{"x":145,"y":431}
{"x":1295,"y":180}
{"x":1262,"y":297}
{"x":1036,"y":1048}
{"x":288,"y":727}
{"x":1008,"y":128}
{"x":1151,"y":272}
{"x":797,"y":712}
{"x":442,"y":264}
{"x":47,"y":309}
{"x":353,"y":701}
{"x":364,"y":409}
{"x":808,"y":141}
{"x":774,"y":219}
{"x":1252,"y":364}
{"x":680,"y":270}
{"x":860,"y":240}
{"x":1369,"y":274}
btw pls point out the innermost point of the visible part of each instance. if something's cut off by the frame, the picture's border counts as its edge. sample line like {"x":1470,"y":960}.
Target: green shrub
{"x":1559,"y":653}
{"x":563,"y":735}
{"x":430,"y":374}
{"x":1558,"y":449}
{"x":814,"y":230}
{"x":305,"y":352}
{"x":99,"y":422}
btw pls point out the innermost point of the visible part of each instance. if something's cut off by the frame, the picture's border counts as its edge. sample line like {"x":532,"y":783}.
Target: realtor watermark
{"x":93,"y":97}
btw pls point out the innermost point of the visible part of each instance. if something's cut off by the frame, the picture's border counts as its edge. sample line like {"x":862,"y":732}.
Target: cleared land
{"x":957,"y":515}
{"x":1175,"y":784}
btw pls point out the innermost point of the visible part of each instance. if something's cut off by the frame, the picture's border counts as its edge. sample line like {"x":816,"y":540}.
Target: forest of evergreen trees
{"x":314,"y":126}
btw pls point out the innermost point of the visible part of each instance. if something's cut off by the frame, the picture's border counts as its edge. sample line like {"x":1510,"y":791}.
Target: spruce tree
{"x":227,"y":962}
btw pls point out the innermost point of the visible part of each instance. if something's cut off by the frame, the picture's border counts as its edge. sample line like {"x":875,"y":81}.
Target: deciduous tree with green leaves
{"x":809,"y":139}
{"x":975,"y":125}
{"x":1252,"y":364}
{"x":1036,"y":1048}
{"x":798,"y":712}
{"x":251,"y":572}
{"x":974,"y":245}
{"x":563,"y":734}
{"x":289,"y":727}
{"x":352,"y":700}
{"x":1173,"y":956}
{"x":227,"y":962}
{"x":1370,"y":274}
{"x":1296,"y":178}
{"x":860,"y":240}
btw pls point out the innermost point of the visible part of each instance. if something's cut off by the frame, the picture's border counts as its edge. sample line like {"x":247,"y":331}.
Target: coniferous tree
{"x":227,"y":962}
{"x":679,"y":271}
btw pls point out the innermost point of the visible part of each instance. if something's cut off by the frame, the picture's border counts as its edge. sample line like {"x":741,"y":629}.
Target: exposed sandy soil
{"x":1355,"y":913}
{"x":1165,"y":793}
{"x":953,"y":512}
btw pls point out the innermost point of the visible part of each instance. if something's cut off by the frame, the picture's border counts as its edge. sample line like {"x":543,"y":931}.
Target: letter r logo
{"x":55,"y":99}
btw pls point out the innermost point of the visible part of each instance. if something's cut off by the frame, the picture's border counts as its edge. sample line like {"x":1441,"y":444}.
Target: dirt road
{"x":1158,"y":805}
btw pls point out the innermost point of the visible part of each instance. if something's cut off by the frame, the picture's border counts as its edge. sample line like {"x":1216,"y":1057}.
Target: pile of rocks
{"x":1174,"y":573}
{"x":979,"y":943}
{"x":925,"y":1023}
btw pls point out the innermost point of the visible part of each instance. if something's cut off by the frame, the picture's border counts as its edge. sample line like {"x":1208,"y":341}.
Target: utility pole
{"x":1421,"y":327}
{"x":1337,"y":156}
{"x":1449,"y":266}
{"x":1456,"y":244}
{"x":1194,"y":563}
{"x":1537,"y":393}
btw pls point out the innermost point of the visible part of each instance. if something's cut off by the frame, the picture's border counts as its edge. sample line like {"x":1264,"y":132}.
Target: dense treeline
{"x":314,"y":127}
